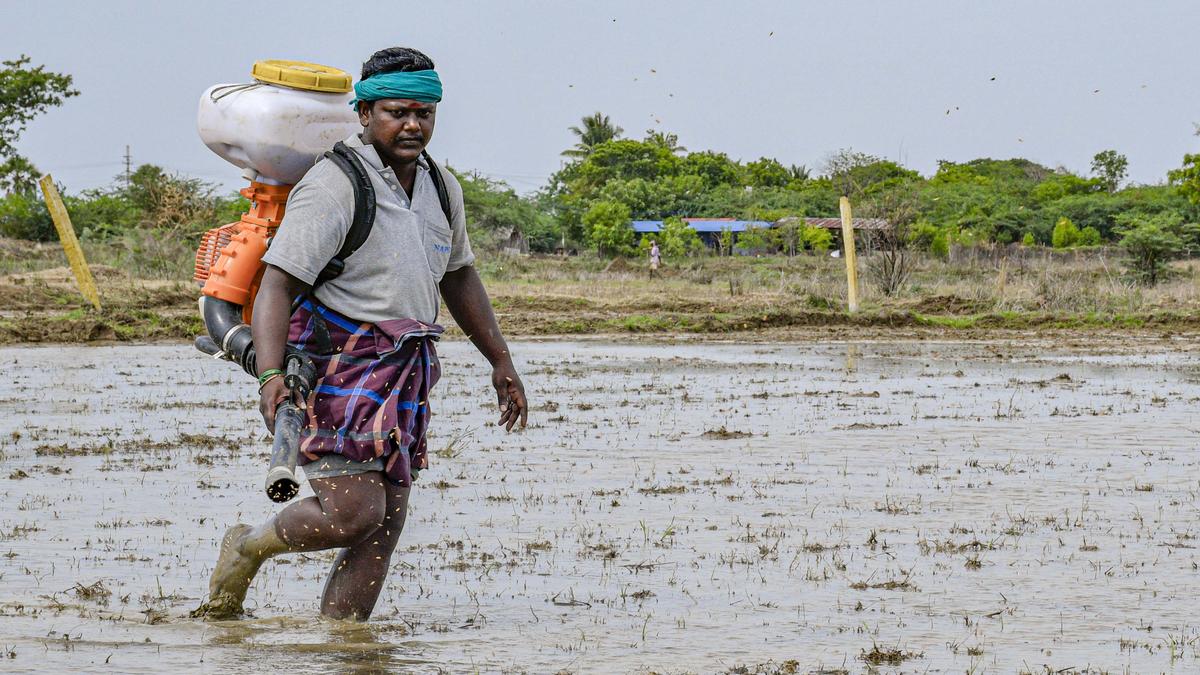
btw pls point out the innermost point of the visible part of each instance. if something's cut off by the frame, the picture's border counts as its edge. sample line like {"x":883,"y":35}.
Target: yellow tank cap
{"x":301,"y":75}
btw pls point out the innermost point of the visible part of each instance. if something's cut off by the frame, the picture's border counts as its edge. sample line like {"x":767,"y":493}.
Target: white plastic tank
{"x":276,"y":127}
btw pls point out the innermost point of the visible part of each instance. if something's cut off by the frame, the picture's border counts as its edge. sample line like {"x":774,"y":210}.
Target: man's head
{"x":398,"y":114}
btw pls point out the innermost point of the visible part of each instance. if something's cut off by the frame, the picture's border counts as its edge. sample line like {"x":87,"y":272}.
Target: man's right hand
{"x":272,"y":311}
{"x":273,"y":393}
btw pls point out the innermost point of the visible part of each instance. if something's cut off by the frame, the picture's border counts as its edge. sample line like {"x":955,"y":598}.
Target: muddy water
{"x":676,"y":508}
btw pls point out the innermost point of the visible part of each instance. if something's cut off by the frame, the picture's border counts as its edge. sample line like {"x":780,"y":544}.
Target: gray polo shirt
{"x":395,"y":273}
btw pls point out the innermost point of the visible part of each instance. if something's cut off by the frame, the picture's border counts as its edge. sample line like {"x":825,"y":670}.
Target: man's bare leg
{"x":344,"y":511}
{"x":359,"y":571}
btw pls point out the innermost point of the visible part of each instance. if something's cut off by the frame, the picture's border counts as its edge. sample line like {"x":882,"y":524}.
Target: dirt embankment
{"x":45,"y":307}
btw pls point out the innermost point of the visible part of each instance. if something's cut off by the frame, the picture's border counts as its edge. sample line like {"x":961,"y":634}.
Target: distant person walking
{"x":655,"y":257}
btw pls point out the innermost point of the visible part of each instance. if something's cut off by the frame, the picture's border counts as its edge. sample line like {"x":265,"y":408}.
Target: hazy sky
{"x":791,"y":80}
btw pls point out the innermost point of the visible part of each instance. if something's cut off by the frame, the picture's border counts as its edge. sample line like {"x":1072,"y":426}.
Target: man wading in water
{"x":370,"y":332}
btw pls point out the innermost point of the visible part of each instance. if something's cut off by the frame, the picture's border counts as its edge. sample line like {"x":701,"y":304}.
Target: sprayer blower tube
{"x":299,"y":375}
{"x":281,"y":484}
{"x":230,"y":339}
{"x":227,"y":335}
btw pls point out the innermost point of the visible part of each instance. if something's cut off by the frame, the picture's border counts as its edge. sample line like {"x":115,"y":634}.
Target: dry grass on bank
{"x":1094,"y":289}
{"x":151,"y":296}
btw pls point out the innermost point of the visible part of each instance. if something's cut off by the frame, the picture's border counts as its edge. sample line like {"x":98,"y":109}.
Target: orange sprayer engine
{"x":273,"y":128}
{"x":229,"y":259}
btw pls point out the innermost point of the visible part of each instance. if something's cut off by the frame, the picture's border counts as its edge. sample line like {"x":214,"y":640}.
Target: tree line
{"x":609,"y":180}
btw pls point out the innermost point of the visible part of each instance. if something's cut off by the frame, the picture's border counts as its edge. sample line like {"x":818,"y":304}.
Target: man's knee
{"x":397,"y":508}
{"x":396,"y":512}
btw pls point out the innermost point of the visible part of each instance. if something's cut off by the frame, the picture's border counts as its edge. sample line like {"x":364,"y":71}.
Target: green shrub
{"x":23,"y":215}
{"x":1029,"y":240}
{"x":940,"y":246}
{"x":970,"y":236}
{"x":757,"y":239}
{"x":1065,"y":234}
{"x":609,"y":228}
{"x":1149,"y":244}
{"x":816,"y":239}
{"x":786,"y":237}
{"x":725,"y":241}
{"x":922,"y":234}
{"x":678,"y":240}
{"x":101,"y":215}
{"x":1089,"y":236}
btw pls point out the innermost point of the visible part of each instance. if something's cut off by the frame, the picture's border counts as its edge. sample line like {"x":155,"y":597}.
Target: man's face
{"x":399,"y":128}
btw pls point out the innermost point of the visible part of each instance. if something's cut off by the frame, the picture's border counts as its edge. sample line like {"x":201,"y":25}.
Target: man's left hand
{"x":510,"y":395}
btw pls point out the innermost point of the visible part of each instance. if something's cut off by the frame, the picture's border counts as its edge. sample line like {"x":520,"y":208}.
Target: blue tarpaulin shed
{"x":710,"y":225}
{"x":709,"y":229}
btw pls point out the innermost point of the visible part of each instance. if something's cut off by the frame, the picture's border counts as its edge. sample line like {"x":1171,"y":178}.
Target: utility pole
{"x":128,"y":168}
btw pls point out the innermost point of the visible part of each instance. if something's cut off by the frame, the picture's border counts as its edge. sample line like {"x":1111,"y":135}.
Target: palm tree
{"x":666,"y":140}
{"x":597,"y":129}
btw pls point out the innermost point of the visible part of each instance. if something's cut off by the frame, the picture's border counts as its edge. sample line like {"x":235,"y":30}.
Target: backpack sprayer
{"x":274,"y":128}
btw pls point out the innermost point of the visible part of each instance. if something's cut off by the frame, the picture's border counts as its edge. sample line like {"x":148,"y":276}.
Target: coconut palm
{"x":665,"y":139}
{"x":597,"y":129}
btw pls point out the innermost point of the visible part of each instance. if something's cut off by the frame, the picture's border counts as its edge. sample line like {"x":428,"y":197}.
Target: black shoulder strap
{"x":364,"y":204}
{"x":435,"y":173}
{"x":364,"y":209}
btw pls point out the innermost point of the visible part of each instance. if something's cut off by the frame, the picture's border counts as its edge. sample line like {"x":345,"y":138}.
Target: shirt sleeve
{"x":315,"y":224}
{"x":461,"y":254}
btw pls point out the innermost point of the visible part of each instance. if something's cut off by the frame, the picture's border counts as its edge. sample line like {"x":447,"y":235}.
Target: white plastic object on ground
{"x":276,"y":133}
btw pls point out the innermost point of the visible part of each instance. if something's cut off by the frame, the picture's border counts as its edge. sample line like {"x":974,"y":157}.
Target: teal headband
{"x":419,"y":85}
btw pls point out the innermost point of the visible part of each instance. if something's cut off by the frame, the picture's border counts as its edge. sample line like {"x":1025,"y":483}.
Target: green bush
{"x":921,"y":235}
{"x":756,"y":239}
{"x":816,"y":239}
{"x":678,"y":240}
{"x":1061,"y":185}
{"x":543,"y":235}
{"x":1089,"y":236}
{"x":725,"y":241}
{"x":1065,"y":234}
{"x":100,"y":215}
{"x":786,"y":236}
{"x":1149,"y":243}
{"x":940,"y":246}
{"x":1029,"y":239}
{"x":23,"y":215}
{"x":609,"y":228}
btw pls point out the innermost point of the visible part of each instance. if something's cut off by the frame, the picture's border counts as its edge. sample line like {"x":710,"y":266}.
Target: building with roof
{"x":709,"y":229}
{"x":836,"y":223}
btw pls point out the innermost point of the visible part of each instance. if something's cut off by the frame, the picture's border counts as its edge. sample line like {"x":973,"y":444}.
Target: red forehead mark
{"x":407,"y":104}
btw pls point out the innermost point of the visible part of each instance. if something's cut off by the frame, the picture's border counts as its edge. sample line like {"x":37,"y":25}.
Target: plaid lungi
{"x":371,"y":397}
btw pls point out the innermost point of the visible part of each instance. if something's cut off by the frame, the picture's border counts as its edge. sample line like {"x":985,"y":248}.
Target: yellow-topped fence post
{"x":70,"y":243}
{"x":851,"y":260}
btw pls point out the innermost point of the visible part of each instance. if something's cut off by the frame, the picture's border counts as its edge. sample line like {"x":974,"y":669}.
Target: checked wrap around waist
{"x":371,"y":397}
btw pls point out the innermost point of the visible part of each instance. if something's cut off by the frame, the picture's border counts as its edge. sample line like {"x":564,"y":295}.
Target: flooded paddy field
{"x":692,"y":507}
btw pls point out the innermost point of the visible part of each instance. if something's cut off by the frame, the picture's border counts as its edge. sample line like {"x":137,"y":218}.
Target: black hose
{"x":223,"y":321}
